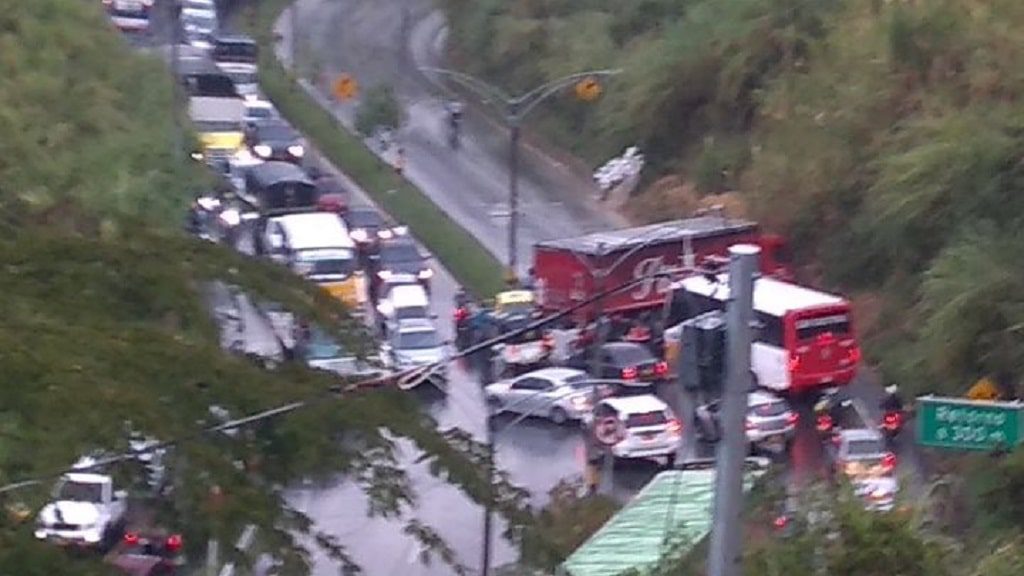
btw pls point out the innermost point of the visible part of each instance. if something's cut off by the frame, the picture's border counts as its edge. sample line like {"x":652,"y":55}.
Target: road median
{"x":467,"y":260}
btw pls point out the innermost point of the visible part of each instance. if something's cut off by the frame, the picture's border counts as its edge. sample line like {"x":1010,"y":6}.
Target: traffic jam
{"x":617,"y":333}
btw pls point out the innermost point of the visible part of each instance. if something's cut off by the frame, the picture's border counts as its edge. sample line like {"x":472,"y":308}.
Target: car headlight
{"x":296,"y":150}
{"x":262,"y":150}
{"x":384,"y":274}
{"x":359,"y":235}
{"x":385,"y":234}
{"x":197,"y":156}
{"x":425,"y":274}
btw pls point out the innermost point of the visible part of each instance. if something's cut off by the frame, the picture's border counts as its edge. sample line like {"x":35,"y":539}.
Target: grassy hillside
{"x":104,"y":319}
{"x":884,"y":137}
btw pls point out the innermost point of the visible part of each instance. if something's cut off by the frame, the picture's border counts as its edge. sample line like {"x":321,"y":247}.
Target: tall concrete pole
{"x":513,"y":191}
{"x":726,"y":535}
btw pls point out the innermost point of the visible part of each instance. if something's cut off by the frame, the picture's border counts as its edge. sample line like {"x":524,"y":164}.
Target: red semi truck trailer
{"x":570,"y":270}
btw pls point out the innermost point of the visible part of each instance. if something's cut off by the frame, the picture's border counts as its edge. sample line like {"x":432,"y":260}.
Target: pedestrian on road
{"x":400,"y":160}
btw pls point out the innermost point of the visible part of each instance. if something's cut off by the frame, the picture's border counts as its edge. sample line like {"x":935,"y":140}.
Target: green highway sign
{"x":968,"y":424}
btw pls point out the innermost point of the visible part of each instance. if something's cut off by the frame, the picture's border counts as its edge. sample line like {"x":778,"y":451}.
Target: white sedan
{"x":559,"y":394}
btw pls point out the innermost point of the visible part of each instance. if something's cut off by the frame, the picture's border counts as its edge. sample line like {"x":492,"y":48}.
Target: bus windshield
{"x":838,"y":325}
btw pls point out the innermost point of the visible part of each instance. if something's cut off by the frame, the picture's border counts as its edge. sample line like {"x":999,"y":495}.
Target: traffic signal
{"x":702,"y":358}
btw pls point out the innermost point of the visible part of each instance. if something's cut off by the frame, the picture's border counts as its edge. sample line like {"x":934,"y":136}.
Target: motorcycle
{"x":892,"y":424}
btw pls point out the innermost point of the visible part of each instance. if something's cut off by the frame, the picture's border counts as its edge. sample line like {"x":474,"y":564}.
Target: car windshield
{"x":770,"y":409}
{"x":329,"y":266}
{"x":243,"y":52}
{"x":631,"y":355}
{"x":407,"y":312}
{"x":516,"y":308}
{"x":80,"y":491}
{"x":201,"y":22}
{"x":418,"y":340}
{"x":322,"y":347}
{"x":275,"y":131}
{"x":641,"y":419}
{"x":211,"y":126}
{"x":242,"y":77}
{"x":363,"y":219}
{"x":865,"y":447}
{"x":400,"y":253}
{"x":259,"y":112}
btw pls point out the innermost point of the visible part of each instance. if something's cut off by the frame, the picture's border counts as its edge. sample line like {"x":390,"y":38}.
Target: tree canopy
{"x":106,"y":318}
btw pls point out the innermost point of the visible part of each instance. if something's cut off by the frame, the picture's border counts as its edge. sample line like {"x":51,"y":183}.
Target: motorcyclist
{"x":892,"y":402}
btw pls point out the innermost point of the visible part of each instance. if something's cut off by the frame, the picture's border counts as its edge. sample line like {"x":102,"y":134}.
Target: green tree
{"x":564,"y":524}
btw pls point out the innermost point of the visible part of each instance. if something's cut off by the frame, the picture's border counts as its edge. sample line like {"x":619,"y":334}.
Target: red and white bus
{"x":805,"y":340}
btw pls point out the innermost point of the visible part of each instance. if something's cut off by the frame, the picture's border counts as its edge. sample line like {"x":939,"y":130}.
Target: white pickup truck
{"x":85,"y":511}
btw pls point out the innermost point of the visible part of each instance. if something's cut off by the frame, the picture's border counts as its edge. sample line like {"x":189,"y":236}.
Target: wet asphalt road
{"x":365,"y":39}
{"x":536,"y":453}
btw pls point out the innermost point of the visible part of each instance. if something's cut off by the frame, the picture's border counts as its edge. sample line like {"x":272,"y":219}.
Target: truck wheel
{"x":670,"y":460}
{"x":558,"y":416}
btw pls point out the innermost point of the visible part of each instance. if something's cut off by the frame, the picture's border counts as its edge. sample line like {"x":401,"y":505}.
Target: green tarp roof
{"x":678,"y":504}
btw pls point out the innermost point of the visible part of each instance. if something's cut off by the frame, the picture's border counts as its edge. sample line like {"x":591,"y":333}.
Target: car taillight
{"x":173,"y":543}
{"x":661,"y":368}
{"x":889,"y":462}
{"x":793,"y":418}
{"x":823,"y":423}
{"x":793,"y":363}
{"x":461,"y":314}
{"x":892,"y":420}
{"x":674,"y":426}
{"x":131,"y":538}
{"x":629,"y":373}
{"x":853,"y":355}
{"x":781,"y":521}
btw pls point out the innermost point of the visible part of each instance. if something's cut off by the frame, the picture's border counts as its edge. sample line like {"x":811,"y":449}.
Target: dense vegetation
{"x":883,"y":137}
{"x":105,"y":319}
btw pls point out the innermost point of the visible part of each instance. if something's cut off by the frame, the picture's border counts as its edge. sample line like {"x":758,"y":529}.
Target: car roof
{"x":634,"y":404}
{"x":759,"y":397}
{"x":257,"y":103}
{"x":87,"y":478}
{"x":409,"y":294}
{"x":620,"y":347}
{"x":312,"y":230}
{"x":275,"y":172}
{"x":860,"y":434}
{"x":416,"y":325}
{"x":211,"y":109}
{"x":558,"y":374}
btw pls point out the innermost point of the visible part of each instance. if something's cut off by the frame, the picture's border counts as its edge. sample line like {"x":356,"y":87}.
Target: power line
{"x":405,"y":379}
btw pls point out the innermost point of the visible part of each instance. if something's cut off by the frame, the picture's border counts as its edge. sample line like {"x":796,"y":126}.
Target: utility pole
{"x":726,"y":536}
{"x":485,"y":559}
{"x":599,"y":275}
{"x":174,"y":10}
{"x":513,"y":110}
{"x":513,"y":121}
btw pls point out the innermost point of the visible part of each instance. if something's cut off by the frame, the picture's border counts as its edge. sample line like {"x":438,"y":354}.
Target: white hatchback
{"x":638,"y":427}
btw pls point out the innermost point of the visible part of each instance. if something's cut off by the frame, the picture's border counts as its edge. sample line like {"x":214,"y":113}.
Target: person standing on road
{"x":400,"y":160}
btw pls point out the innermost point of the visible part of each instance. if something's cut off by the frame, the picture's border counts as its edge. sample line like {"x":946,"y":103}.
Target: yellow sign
{"x":514,"y":297}
{"x":588,"y":89}
{"x":983,"y":389}
{"x":345,"y":87}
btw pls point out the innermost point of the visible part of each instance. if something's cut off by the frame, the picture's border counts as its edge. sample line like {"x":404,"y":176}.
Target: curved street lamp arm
{"x":530,"y":100}
{"x":482,"y":89}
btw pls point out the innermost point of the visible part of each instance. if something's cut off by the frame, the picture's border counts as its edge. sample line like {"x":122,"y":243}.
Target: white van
{"x":317,"y":246}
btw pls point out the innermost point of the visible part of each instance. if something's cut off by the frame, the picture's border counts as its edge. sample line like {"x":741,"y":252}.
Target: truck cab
{"x":85,"y":511}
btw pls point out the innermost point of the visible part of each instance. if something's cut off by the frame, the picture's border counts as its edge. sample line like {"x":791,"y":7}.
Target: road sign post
{"x":959,"y":424}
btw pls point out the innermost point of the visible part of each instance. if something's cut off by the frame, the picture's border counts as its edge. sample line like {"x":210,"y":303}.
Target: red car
{"x":148,"y":555}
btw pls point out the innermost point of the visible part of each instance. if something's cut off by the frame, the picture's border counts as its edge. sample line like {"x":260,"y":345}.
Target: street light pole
{"x":485,"y":560}
{"x":513,"y":110}
{"x":726,"y":537}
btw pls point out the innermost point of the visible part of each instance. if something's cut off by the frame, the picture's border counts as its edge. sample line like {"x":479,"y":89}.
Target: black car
{"x":399,"y":261}
{"x":368,"y":228}
{"x":275,"y":140}
{"x":625,"y":361}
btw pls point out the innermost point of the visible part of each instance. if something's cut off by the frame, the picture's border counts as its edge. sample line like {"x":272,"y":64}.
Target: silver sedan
{"x":558,"y":394}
